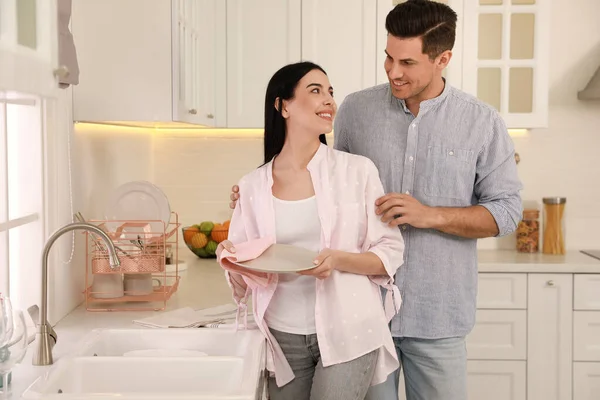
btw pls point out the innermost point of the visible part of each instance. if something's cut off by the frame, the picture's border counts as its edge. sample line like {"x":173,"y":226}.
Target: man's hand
{"x":399,"y":209}
{"x":235,"y":190}
{"x":325,"y":263}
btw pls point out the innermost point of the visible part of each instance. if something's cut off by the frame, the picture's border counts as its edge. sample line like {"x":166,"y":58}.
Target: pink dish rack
{"x":140,"y":251}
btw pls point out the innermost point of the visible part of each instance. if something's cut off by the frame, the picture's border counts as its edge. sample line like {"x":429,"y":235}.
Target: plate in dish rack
{"x":281,"y":258}
{"x":138,"y":201}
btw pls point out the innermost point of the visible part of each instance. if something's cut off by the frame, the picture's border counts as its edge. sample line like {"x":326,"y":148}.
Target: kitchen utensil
{"x":79,"y":217}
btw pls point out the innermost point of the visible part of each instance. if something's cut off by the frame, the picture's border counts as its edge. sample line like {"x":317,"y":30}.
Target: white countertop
{"x":203,"y":285}
{"x":574,"y":262}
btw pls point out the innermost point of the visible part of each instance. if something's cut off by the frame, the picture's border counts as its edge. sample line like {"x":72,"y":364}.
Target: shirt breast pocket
{"x":450,"y":172}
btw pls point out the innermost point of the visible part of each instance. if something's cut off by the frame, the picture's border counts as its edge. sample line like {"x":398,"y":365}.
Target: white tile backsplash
{"x":197,"y":172}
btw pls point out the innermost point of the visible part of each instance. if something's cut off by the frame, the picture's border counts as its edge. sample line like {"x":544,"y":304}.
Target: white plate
{"x":281,"y":258}
{"x":140,"y":201}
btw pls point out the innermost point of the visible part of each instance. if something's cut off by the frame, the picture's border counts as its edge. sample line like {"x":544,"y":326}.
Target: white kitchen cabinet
{"x":197,"y":43}
{"x":498,"y":335}
{"x":530,"y":335}
{"x":505,"y":58}
{"x":29,"y":47}
{"x":150,"y":62}
{"x":586,"y":331}
{"x":502,"y":291}
{"x":262,"y":36}
{"x":550,"y":337}
{"x":340,"y":36}
{"x":586,"y":381}
{"x":587,"y":292}
{"x":496,"y":380}
{"x":490,"y":380}
{"x":305,"y":30}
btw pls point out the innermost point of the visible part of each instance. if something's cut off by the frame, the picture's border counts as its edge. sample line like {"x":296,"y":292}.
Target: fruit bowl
{"x":202,"y":239}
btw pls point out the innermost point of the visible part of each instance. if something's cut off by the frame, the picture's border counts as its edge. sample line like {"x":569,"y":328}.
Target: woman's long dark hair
{"x":282,"y":85}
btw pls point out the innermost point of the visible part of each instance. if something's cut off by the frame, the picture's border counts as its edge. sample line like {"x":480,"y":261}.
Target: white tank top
{"x":292,"y":308}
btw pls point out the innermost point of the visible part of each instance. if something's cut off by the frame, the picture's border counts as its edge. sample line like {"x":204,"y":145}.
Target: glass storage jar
{"x":528,"y":232}
{"x":554,"y":225}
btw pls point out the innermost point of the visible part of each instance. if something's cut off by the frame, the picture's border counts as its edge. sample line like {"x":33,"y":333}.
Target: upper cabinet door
{"x":383,"y":8}
{"x":262,"y":36}
{"x":29,"y":47}
{"x":506,"y":58}
{"x":340,"y":36}
{"x":198,"y":75}
{"x":453,"y":73}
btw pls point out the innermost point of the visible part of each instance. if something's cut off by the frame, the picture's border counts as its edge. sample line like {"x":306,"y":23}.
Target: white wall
{"x":65,"y":260}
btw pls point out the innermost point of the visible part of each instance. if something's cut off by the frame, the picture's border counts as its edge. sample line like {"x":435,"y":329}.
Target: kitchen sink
{"x":213,"y":342}
{"x":155,"y":364}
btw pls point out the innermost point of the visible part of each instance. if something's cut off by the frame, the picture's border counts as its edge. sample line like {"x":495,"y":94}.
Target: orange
{"x":189,"y":233}
{"x":219,"y":233}
{"x":199,"y":240}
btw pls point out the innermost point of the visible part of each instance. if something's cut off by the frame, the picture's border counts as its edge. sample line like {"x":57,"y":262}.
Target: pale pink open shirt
{"x":350,"y":318}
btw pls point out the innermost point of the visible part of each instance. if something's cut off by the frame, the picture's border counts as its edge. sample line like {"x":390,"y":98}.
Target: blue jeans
{"x":345,"y":381}
{"x":434,"y":369}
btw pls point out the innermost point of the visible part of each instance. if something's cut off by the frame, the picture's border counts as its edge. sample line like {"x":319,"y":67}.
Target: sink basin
{"x":219,"y":364}
{"x":213,"y":342}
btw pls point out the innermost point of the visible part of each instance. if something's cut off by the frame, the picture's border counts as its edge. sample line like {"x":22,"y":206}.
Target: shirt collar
{"x":427,"y":103}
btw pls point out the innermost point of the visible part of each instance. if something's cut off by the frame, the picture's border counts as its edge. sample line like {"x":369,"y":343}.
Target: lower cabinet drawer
{"x":586,"y":292}
{"x":498,"y":335}
{"x":497,"y":380}
{"x":502,"y":291}
{"x":490,"y":380}
{"x":586,"y":381}
{"x":586,"y":335}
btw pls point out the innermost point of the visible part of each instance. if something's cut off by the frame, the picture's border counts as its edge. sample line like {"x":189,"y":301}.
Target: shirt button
{"x":411,"y":158}
{"x":414,"y":125}
{"x":403,"y":227}
{"x":407,"y":192}
{"x":451,"y":153}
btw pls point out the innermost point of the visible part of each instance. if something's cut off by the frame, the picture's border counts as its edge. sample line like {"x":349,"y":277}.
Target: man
{"x":447,"y":164}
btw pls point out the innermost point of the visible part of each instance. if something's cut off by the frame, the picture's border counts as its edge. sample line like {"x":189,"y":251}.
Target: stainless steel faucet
{"x":46,"y":336}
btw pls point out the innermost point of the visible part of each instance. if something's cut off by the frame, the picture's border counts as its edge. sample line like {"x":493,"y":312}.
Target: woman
{"x":326,"y":327}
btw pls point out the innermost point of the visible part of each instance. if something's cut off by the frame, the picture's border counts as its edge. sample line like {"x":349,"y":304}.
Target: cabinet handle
{"x":550,"y":283}
{"x":210,"y":116}
{"x":193,"y":111}
{"x":61,"y":72}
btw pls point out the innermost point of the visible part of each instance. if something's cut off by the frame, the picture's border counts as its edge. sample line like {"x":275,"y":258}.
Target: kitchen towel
{"x":187,"y":317}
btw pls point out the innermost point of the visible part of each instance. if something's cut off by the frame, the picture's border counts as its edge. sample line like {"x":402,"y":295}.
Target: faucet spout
{"x":46,"y":337}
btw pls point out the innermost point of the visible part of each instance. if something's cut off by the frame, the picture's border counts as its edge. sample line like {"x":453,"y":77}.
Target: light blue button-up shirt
{"x":455,"y":153}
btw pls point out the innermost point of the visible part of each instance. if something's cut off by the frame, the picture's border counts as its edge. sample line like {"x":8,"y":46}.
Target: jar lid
{"x":531,"y":214}
{"x":555,"y":200}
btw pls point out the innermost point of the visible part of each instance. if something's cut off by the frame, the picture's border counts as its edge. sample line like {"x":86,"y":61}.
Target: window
{"x":21,"y":198}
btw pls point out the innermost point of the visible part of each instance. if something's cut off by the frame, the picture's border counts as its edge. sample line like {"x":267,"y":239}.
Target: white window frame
{"x":7,"y":224}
